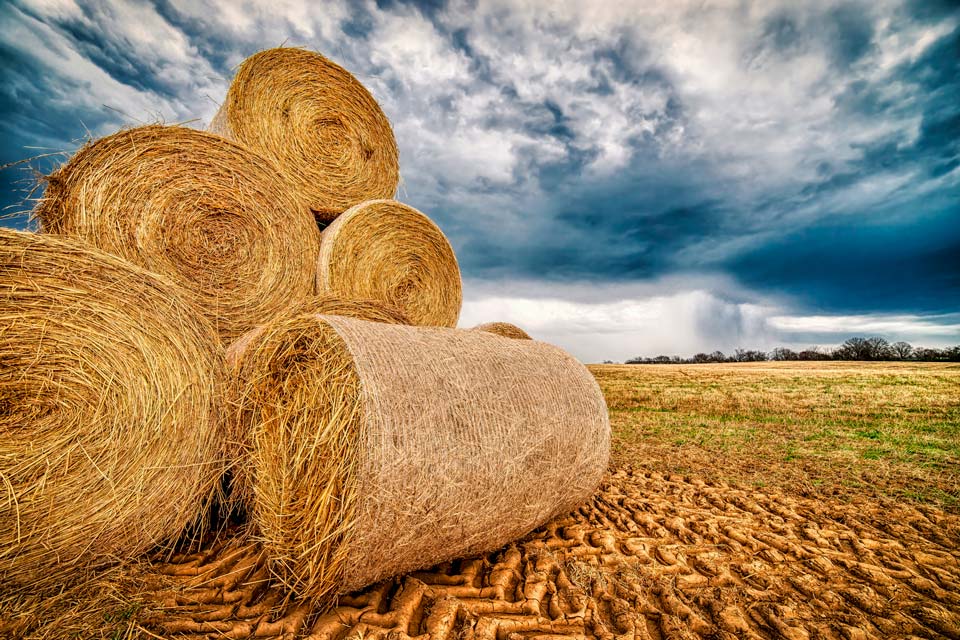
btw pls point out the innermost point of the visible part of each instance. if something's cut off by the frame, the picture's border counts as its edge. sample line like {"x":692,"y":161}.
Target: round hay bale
{"x":212,"y":216}
{"x":110,"y":442}
{"x":321,"y":127}
{"x":377,"y":449}
{"x":387,"y":251}
{"x":504,"y":329}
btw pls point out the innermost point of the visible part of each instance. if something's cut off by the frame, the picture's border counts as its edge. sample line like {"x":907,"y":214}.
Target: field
{"x":840,"y":429}
{"x":771,"y":500}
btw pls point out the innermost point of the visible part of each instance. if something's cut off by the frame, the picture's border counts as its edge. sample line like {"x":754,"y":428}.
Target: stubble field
{"x":773,"y":500}
{"x":820,"y":429}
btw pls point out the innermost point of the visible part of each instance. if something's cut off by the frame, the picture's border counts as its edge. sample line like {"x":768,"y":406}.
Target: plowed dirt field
{"x":812,"y":501}
{"x":649,"y":557}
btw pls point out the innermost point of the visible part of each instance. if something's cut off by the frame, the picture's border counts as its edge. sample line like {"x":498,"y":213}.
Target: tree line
{"x":874,"y":348}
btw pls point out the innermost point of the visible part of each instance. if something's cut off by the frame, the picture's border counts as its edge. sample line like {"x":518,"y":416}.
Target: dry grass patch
{"x":825,"y":428}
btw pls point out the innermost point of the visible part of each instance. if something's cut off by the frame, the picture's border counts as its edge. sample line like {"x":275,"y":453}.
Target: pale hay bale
{"x":109,"y":401}
{"x":504,"y":329}
{"x":387,"y":251}
{"x":420,"y":445}
{"x":317,"y":123}
{"x":213,"y":217}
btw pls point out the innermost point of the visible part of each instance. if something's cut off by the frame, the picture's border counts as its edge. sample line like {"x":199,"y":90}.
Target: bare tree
{"x":875,"y":348}
{"x":749,"y":355}
{"x":813,"y":353}
{"x":878,"y":349}
{"x":853,"y":349}
{"x":925,"y":354}
{"x":782,"y":353}
{"x":901,"y":350}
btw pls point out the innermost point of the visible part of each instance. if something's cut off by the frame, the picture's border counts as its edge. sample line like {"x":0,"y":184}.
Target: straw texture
{"x":377,"y":449}
{"x":388,"y":251}
{"x":325,"y":305}
{"x":504,"y":329}
{"x":321,"y":127}
{"x":210,"y":215}
{"x":109,"y":436}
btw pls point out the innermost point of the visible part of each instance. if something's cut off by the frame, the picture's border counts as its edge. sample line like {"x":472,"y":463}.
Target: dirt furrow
{"x":649,"y":557}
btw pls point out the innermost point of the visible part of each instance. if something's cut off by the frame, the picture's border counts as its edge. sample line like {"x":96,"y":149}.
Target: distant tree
{"x":875,"y":348}
{"x":813,"y":353}
{"x":853,"y":349}
{"x":856,"y":348}
{"x":901,"y":350}
{"x":782,"y":353}
{"x":925,"y":354}
{"x":878,"y":349}
{"x":609,"y":362}
{"x":749,"y":355}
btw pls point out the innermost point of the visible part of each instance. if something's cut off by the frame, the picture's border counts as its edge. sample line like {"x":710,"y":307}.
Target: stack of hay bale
{"x":243,"y":318}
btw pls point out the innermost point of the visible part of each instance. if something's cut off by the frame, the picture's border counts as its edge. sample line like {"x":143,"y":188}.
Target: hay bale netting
{"x":377,"y":449}
{"x":387,"y":251}
{"x":321,"y":127}
{"x":109,"y":434}
{"x":210,"y":215}
{"x":504,"y":329}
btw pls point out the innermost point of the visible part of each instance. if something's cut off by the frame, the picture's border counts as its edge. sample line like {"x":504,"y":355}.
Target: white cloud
{"x":695,"y":82}
{"x":763,"y":120}
{"x":680,"y":317}
{"x":881,"y":324}
{"x":410,"y":46}
{"x":596,"y":322}
{"x":270,"y":24}
{"x":156,"y":46}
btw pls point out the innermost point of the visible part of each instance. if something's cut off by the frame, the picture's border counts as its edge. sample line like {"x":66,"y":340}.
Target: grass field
{"x":838,"y":429}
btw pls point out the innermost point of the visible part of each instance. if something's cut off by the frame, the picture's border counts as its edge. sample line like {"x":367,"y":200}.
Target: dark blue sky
{"x":622,"y":179}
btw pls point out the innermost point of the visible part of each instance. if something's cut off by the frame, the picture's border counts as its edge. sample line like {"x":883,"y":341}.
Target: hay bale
{"x":504,"y":329}
{"x":360,"y":308}
{"x":387,"y":251}
{"x":109,"y":434}
{"x":377,"y":449}
{"x":321,"y":127}
{"x":325,"y":305}
{"x":212,"y":216}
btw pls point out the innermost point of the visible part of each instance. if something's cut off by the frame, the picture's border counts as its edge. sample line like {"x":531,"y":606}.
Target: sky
{"x":619,"y":178}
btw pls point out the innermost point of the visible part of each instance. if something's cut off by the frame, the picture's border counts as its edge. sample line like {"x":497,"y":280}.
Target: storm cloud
{"x":624,"y":178}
